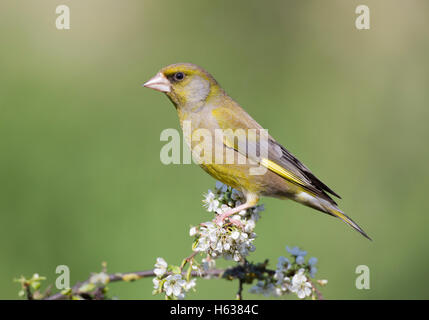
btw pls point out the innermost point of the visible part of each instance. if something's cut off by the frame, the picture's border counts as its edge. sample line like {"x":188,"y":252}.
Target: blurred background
{"x":81,"y":178}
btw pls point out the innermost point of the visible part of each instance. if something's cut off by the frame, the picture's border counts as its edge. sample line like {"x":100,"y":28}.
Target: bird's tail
{"x":327,"y":205}
{"x":333,"y":210}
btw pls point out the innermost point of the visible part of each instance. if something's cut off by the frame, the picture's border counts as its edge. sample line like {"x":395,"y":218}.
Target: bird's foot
{"x":237,"y":223}
{"x":220,"y":220}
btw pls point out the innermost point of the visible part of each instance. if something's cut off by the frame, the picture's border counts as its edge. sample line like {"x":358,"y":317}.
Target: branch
{"x":126,"y":276}
{"x":240,"y":290}
{"x":317,"y":291}
{"x":229,"y":241}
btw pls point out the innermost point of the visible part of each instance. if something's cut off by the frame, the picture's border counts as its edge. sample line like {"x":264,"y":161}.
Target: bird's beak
{"x":159,"y":83}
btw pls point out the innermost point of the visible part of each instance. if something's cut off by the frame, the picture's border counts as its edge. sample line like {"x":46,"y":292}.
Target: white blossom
{"x":156,"y":282}
{"x":226,"y":241}
{"x":322,"y":282}
{"x":174,"y":285}
{"x":300,"y":286}
{"x":211,"y":203}
{"x":279,"y":276}
{"x":101,"y":278}
{"x":160,"y":267}
{"x":249,"y":226}
{"x":290,"y":277}
{"x":234,"y":241}
{"x":222,"y":209}
{"x":193,"y":231}
{"x":190,"y":284}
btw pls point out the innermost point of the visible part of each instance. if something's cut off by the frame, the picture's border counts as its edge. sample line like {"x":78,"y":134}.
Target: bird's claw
{"x":220,"y":220}
{"x":237,"y":223}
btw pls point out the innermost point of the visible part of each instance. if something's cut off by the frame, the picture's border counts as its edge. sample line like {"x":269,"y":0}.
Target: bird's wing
{"x":271,"y":155}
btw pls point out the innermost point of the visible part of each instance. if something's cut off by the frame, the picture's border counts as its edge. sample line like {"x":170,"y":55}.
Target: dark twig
{"x":317,"y":291}
{"x":126,"y":276}
{"x":240,"y":290}
{"x":28,"y":292}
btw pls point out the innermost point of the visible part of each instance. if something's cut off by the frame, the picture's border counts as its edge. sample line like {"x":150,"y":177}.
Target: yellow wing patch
{"x":270,"y":165}
{"x":281,"y":171}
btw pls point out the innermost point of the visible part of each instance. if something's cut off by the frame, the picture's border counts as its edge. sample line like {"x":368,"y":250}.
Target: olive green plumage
{"x":202,"y":103}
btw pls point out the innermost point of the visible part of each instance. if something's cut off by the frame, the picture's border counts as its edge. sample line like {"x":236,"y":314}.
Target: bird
{"x":204,"y":106}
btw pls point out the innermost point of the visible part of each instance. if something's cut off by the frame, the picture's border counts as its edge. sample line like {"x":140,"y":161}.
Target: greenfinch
{"x":203,"y":104}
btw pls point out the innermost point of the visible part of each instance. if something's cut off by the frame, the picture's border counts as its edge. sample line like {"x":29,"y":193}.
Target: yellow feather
{"x":281,"y":171}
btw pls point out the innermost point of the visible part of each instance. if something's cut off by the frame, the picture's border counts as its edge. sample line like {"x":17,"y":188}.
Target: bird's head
{"x":186,"y":84}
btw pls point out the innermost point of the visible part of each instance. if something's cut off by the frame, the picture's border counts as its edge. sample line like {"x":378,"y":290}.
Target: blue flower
{"x":312,"y":261}
{"x":295,"y":251}
{"x":300,"y":259}
{"x":313,"y":271}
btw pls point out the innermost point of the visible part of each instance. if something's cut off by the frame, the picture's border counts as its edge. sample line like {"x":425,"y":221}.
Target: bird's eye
{"x":178,"y":76}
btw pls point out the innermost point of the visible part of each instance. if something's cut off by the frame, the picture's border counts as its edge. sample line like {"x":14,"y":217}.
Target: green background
{"x":81,"y":181}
